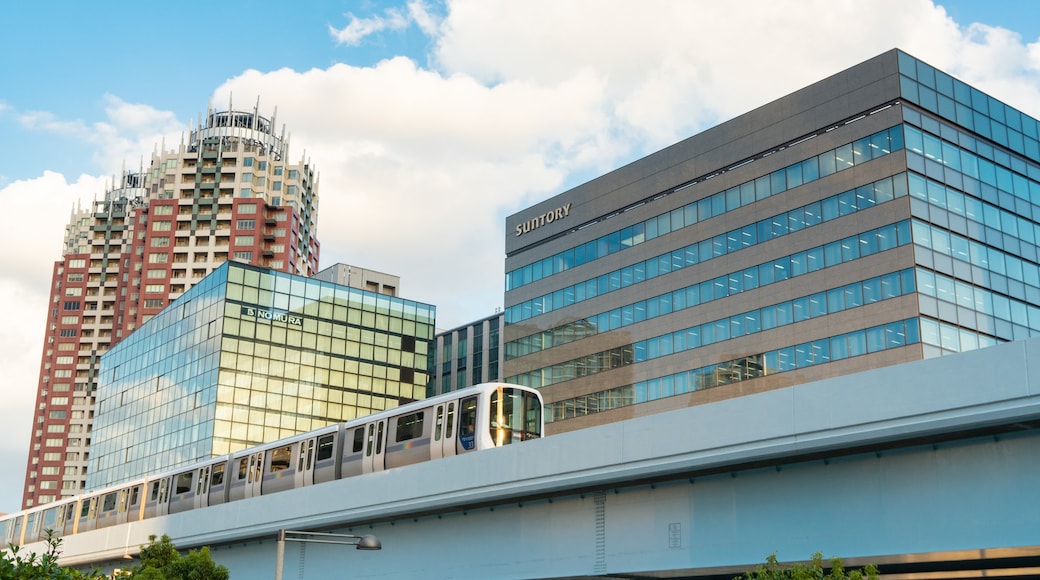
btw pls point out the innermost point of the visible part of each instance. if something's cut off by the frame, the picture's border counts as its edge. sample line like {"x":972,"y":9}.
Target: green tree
{"x":773,"y":570}
{"x":160,"y":560}
{"x":14,"y":565}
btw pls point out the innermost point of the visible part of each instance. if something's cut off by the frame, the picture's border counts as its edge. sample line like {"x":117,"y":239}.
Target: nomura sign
{"x":272,"y":315}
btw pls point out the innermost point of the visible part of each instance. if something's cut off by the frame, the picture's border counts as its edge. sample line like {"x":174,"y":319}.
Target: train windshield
{"x":516,"y":415}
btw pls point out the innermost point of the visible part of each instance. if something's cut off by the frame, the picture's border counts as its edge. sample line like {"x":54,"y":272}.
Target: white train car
{"x":464,"y":421}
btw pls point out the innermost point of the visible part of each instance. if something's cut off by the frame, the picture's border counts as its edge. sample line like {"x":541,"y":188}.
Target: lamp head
{"x":369,"y":542}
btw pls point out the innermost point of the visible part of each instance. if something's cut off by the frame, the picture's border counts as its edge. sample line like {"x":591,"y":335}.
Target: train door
{"x":134,"y":505}
{"x":374,"y":450}
{"x":467,"y":429}
{"x":202,"y":488}
{"x":70,"y":517}
{"x":444,"y":430}
{"x":158,"y":501}
{"x":255,"y":475}
{"x":87,"y":519}
{"x":218,"y":484}
{"x":305,"y":463}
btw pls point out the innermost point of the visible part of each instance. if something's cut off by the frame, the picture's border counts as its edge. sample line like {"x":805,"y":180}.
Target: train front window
{"x":516,"y":416}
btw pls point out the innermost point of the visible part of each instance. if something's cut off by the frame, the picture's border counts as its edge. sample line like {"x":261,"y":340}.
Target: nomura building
{"x":886,"y":214}
{"x":250,"y":355}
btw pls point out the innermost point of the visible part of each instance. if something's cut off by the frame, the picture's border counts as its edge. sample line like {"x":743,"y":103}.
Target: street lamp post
{"x":365,"y":542}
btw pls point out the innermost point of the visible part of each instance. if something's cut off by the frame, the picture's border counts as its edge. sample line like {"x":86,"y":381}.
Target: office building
{"x":468,"y":355}
{"x":229,"y":192}
{"x":247,"y":356}
{"x":886,"y":214}
{"x":363,"y":278}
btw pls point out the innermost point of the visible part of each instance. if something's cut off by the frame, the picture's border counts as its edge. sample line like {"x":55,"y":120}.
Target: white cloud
{"x":129,"y":134}
{"x":43,"y":206}
{"x":353,"y":33}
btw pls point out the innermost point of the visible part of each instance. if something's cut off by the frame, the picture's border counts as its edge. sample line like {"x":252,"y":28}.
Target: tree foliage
{"x":16,"y":564}
{"x":160,"y":560}
{"x":815,"y":570}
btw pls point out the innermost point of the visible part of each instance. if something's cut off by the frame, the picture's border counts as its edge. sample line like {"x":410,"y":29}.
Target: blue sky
{"x":429,"y":121}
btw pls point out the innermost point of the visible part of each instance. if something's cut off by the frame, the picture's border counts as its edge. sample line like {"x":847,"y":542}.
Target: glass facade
{"x":903,"y":226}
{"x":251,"y":355}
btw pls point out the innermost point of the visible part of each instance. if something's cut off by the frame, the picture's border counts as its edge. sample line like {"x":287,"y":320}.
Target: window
{"x":247,"y":208}
{"x":162,"y":226}
{"x":73,"y":291}
{"x":217,"y":477}
{"x":154,"y":288}
{"x":109,"y":503}
{"x":77,"y":263}
{"x":410,"y":427}
{"x":70,"y":319}
{"x":75,"y":277}
{"x":158,"y":258}
{"x":359,"y":439}
{"x":325,"y":445}
{"x":246,"y":224}
{"x":280,"y":458}
{"x":157,"y":274}
{"x":244,"y":240}
{"x":64,"y":360}
{"x":160,"y":242}
{"x":244,"y":256}
{"x":184,"y":482}
{"x":73,"y":305}
{"x":162,"y":210}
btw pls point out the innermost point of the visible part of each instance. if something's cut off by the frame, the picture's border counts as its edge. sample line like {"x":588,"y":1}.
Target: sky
{"x":429,"y":121}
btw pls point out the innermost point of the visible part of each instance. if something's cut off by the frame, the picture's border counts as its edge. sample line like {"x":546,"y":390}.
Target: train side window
{"x":325,"y":445}
{"x":243,"y":467}
{"x":135,"y":494}
{"x":439,"y":424}
{"x":217,"y":477}
{"x":368,"y":449}
{"x":359,"y":439}
{"x":109,"y":502}
{"x":303,"y":452}
{"x":410,"y":426}
{"x":84,"y":509}
{"x":183,"y":483}
{"x":451,"y":420}
{"x":280,"y":458}
{"x":154,"y":495}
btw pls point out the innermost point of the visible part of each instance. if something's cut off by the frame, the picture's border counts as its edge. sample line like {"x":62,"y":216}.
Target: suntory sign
{"x":546,"y":218}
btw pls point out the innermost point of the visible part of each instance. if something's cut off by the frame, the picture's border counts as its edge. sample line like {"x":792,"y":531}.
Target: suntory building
{"x":882,"y":215}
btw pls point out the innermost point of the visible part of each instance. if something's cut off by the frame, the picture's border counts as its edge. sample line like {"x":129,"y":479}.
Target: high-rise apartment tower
{"x":229,"y":193}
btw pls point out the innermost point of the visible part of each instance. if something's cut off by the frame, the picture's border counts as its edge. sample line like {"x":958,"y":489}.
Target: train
{"x":463,"y":421}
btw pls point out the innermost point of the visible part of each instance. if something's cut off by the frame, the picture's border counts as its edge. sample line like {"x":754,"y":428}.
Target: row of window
{"x":754,"y":321}
{"x":875,"y":339}
{"x":797,"y":219}
{"x":862,"y":150}
{"x":952,"y":99}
